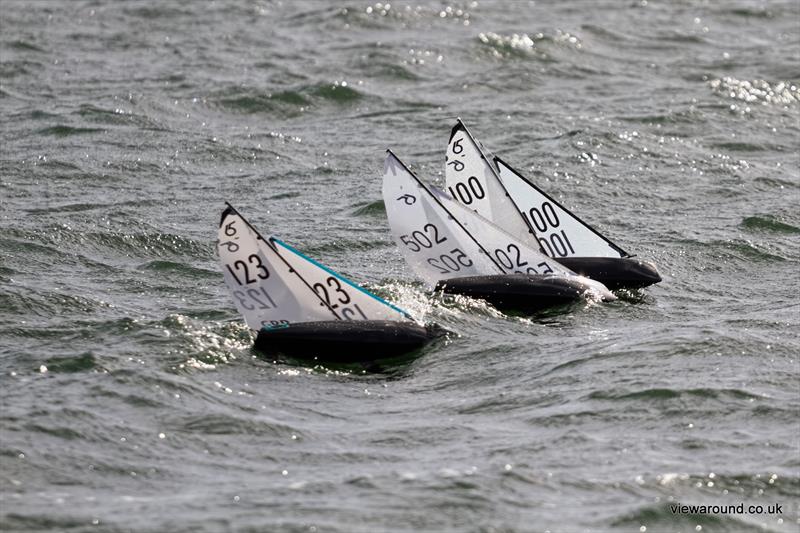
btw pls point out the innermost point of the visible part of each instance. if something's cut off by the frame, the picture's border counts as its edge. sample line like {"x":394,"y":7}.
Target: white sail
{"x":559,"y":232}
{"x":472,"y":181}
{"x":433,"y":244}
{"x":273,"y":284}
{"x":264,"y":289}
{"x":511,"y":254}
{"x":345,"y":298}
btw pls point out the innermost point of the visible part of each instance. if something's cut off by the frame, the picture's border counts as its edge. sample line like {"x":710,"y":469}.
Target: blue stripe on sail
{"x":340,"y":277}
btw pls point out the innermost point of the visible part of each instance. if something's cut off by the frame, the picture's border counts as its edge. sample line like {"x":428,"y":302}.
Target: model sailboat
{"x":300,"y":307}
{"x":459,"y":251}
{"x":499,"y":193}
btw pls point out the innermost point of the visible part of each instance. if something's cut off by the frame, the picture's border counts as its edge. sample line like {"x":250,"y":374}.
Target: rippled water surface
{"x":131,"y":398}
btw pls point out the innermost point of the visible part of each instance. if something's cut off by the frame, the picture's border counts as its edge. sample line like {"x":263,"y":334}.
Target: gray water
{"x":131,"y":397}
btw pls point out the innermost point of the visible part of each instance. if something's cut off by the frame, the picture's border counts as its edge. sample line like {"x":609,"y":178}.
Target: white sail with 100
{"x":559,"y":232}
{"x":471,"y":180}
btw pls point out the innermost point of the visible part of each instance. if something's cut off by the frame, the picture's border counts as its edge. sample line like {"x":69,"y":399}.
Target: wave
{"x":520,"y":46}
{"x":388,"y":15}
{"x":347,"y":245}
{"x":668,"y":394}
{"x":45,"y":304}
{"x":372,"y":209}
{"x":79,"y":363}
{"x":742,"y":250}
{"x":117,"y":117}
{"x":225,"y":424}
{"x":67,"y":241}
{"x":178,"y":268}
{"x":768,"y":223}
{"x":385,"y":64}
{"x":67,"y":131}
{"x":26,"y":46}
{"x":288,"y":102}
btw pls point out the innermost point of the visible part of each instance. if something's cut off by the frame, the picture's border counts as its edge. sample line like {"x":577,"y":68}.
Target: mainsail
{"x":471,"y":180}
{"x":273,"y":284}
{"x":432,"y":242}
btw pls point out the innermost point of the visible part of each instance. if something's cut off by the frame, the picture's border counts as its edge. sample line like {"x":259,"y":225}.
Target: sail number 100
{"x":545,"y":220}
{"x":468,"y":192}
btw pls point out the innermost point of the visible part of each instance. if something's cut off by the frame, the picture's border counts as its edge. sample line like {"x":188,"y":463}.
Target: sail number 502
{"x":427,"y":238}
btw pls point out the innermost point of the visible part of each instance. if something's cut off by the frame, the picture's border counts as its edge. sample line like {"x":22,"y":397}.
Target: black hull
{"x":614,"y":272}
{"x":517,"y":292}
{"x":345,"y":341}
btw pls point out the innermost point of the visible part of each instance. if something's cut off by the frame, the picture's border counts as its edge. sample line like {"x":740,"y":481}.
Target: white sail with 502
{"x":427,"y":223}
{"x":433,"y":244}
{"x":512,"y":255}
